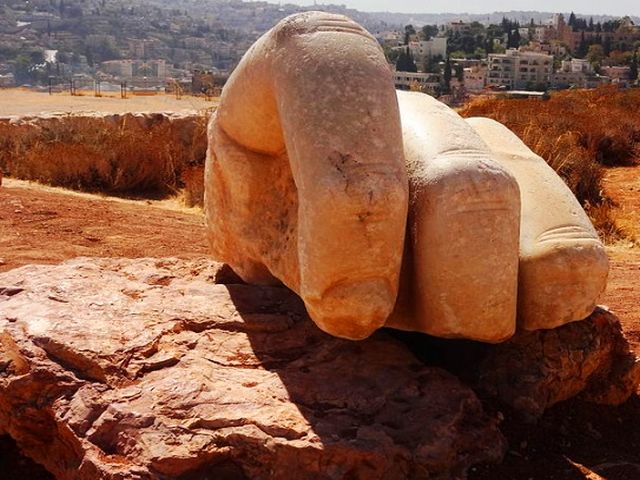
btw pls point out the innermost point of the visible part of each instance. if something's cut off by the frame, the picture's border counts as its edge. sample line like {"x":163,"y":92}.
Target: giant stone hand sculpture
{"x":316,"y":169}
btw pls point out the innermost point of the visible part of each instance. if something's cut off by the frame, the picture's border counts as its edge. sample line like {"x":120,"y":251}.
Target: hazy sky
{"x":612,"y":7}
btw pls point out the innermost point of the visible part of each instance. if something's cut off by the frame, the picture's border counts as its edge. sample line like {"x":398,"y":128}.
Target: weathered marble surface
{"x":460,"y":272}
{"x":315,"y":168}
{"x":563,"y":264}
{"x":305,"y":178}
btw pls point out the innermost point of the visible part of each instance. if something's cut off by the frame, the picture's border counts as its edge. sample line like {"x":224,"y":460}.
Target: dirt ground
{"x":24,"y":102}
{"x":48,"y":225}
{"x":572,"y":441}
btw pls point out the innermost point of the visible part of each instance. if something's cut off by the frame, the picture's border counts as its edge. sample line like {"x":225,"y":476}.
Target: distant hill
{"x":419,"y":19}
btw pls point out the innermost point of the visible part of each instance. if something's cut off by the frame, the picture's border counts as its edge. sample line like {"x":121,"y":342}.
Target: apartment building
{"x":576,"y":65}
{"x":517,"y":69}
{"x":427,"y":82}
{"x":563,"y":79}
{"x":475,"y":78}
{"x":620,"y":75}
{"x":459,"y":27}
{"x":435,"y":47}
{"x":118,"y":68}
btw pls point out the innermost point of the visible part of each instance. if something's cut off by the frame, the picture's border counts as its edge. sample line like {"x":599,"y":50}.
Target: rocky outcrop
{"x":535,"y":370}
{"x":141,"y":369}
{"x":589,"y":359}
{"x":145,"y":153}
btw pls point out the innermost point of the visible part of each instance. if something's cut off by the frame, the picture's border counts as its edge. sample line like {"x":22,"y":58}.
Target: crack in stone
{"x":82,"y":367}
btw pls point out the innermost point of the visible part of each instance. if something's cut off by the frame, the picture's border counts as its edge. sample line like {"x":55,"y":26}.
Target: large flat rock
{"x":148,"y":368}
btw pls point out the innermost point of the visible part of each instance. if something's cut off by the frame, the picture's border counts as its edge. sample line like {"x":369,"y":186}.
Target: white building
{"x":517,"y":69}
{"x":577,"y":65}
{"x":562,"y":79}
{"x":435,"y":47}
{"x":427,"y":82}
{"x":543,"y":34}
{"x":575,"y":72}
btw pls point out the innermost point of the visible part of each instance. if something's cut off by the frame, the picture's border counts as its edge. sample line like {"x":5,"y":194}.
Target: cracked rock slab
{"x":590,"y":358}
{"x":148,"y":368}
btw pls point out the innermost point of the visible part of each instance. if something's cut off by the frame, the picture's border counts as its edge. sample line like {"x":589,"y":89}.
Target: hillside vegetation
{"x":579,"y":133}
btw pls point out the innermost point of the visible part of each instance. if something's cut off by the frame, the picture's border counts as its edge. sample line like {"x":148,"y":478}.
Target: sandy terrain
{"x":623,"y":185}
{"x":24,"y":102}
{"x":48,"y":225}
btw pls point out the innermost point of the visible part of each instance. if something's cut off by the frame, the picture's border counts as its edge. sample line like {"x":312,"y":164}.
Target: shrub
{"x":129,"y":154}
{"x":579,"y":133}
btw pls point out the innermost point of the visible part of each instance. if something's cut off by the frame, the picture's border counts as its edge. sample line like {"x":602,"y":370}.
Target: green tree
{"x":432,"y":64}
{"x":459,"y":72}
{"x":513,"y":39}
{"x":391,"y":54}
{"x":582,"y":47}
{"x":633,"y":67}
{"x":22,"y":68}
{"x":405,"y":62}
{"x":429,"y":31}
{"x":408,"y":31}
{"x":447,"y":76}
{"x":595,"y":54}
{"x":27,"y":66}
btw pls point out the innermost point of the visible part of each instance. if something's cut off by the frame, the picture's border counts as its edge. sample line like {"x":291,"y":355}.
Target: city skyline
{"x":590,"y":7}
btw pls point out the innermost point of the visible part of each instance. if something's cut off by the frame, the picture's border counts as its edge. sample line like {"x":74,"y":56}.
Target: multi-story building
{"x":436,"y":47}
{"x":620,"y":75}
{"x":576,"y":65}
{"x":458,"y":27}
{"x":143,"y":48}
{"x":543,"y":34}
{"x":150,"y":68}
{"x":567,"y":79}
{"x":426,"y":82}
{"x":576,"y":72}
{"x":389,"y":39}
{"x":517,"y":69}
{"x":475,"y":78}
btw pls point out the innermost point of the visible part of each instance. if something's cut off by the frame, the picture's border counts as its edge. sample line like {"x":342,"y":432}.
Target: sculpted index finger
{"x":325,"y":97}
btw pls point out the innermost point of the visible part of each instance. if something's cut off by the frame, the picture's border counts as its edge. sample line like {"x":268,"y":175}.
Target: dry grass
{"x":139,"y":155}
{"x":579,"y":133}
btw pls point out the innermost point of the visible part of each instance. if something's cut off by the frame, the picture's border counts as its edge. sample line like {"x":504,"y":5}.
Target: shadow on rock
{"x":373,"y":409}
